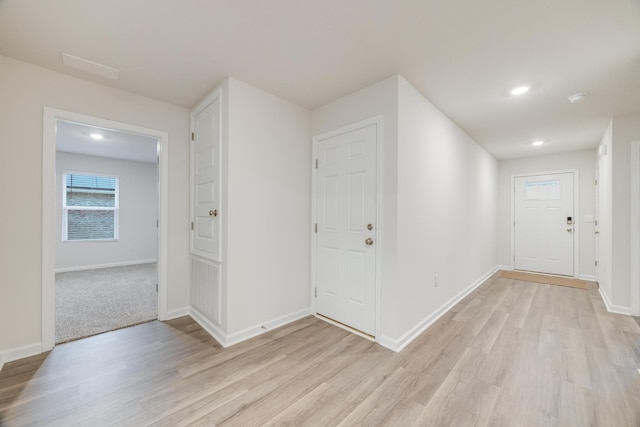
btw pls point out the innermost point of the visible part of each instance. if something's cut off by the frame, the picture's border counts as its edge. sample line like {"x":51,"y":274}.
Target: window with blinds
{"x":90,"y":207}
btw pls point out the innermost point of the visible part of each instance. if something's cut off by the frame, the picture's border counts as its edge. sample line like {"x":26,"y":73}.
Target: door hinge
{"x":596,"y":182}
{"x":514,"y":223}
{"x":315,"y":292}
{"x":596,"y":224}
{"x":157,"y":223}
{"x":156,"y":287}
{"x":316,"y":227}
{"x":596,"y":263}
{"x":316,"y":163}
{"x":193,"y":136}
{"x":192,"y":225}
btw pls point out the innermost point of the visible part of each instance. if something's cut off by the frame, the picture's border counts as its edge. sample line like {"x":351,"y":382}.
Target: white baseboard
{"x":504,"y":267}
{"x":211,"y":328}
{"x":113,"y":264}
{"x":256,"y":330}
{"x":178,"y":312}
{"x":398,"y":344}
{"x":226,"y":340}
{"x":611,"y":308}
{"x":11,"y":354}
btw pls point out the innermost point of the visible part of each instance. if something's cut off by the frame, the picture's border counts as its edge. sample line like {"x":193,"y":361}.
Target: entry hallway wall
{"x":269,"y":215}
{"x":25,"y":90}
{"x":440,"y":194}
{"x":582,"y":161}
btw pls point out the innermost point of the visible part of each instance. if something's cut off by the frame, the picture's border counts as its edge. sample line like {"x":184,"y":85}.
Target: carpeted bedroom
{"x":91,"y":302}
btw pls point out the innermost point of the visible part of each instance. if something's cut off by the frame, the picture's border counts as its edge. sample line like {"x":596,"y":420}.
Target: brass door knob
{"x":369,"y":241}
{"x":213,"y":213}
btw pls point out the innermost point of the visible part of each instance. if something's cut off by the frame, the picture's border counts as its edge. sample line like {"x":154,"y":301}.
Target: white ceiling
{"x":463,"y":55}
{"x":76,"y":138}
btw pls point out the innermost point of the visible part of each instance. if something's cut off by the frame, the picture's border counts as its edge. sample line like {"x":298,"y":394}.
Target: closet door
{"x":205,"y":178}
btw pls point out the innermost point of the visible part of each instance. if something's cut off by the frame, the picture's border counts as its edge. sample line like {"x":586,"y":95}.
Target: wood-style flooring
{"x":510,"y":354}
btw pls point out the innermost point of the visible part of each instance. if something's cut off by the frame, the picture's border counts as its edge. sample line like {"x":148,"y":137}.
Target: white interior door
{"x":544,"y":223}
{"x":346,"y":228}
{"x":205,"y":180}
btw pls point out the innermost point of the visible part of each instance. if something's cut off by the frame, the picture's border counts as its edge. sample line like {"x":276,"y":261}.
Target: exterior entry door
{"x":544,"y":224}
{"x":346,"y":228}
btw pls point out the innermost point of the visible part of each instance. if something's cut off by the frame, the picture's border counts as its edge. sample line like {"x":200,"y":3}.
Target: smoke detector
{"x":577,"y":97}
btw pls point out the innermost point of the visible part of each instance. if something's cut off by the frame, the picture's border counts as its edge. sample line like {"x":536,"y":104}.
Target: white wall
{"x":439,"y":190}
{"x":625,"y":129}
{"x":446,"y":213}
{"x":25,"y":90}
{"x":268,"y":208}
{"x":138,"y":212}
{"x":582,"y":161}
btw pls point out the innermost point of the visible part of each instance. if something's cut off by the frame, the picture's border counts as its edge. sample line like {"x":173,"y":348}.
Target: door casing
{"x":378,"y":122}
{"x":50,"y":116}
{"x":576,"y":214}
{"x":634,"y":260}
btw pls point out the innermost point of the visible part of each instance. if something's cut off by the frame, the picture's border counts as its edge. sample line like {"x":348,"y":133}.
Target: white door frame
{"x":378,"y":122}
{"x":576,"y":214}
{"x":50,"y":115}
{"x":634,"y":253}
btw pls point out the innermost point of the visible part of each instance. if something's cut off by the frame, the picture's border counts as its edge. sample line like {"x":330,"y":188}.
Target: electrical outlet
{"x":436,"y":281}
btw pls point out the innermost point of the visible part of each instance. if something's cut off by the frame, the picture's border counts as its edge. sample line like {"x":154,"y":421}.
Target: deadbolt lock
{"x":369,"y":227}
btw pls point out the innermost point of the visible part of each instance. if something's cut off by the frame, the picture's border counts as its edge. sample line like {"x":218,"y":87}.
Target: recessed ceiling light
{"x":578,"y":97}
{"x":96,"y":136}
{"x":520,"y":90}
{"x":537,"y":143}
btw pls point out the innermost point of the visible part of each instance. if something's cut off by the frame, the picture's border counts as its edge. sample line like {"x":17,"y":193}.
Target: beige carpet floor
{"x":94,"y":301}
{"x":543,"y":278}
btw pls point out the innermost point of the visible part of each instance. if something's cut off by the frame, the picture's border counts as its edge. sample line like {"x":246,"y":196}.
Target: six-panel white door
{"x":205,"y":180}
{"x":346,"y":224}
{"x":544,"y":224}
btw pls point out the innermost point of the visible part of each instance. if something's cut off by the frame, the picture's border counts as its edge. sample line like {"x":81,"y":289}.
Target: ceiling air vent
{"x":90,"y":67}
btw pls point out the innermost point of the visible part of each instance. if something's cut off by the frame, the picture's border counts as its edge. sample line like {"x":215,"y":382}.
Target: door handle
{"x":597,"y":232}
{"x":213,"y":213}
{"x":369,"y":241}
{"x":569,"y":229}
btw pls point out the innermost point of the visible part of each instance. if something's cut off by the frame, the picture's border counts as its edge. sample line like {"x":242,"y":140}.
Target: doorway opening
{"x":104,"y":226}
{"x":106,"y":230}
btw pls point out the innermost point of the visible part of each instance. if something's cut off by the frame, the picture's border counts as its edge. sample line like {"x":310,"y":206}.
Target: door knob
{"x":569,"y":229}
{"x":213,"y":213}
{"x":597,"y":232}
{"x":369,"y":241}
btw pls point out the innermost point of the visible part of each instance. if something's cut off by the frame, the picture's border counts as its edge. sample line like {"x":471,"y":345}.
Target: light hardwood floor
{"x":510,"y":354}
